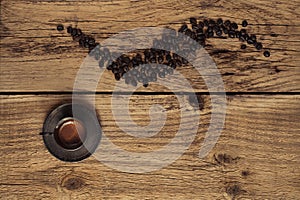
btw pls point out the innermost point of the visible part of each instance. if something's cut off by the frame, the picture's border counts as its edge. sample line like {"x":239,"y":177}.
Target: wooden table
{"x":257,"y":155}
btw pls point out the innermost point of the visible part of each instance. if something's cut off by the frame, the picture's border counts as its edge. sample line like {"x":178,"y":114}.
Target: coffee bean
{"x":231,"y":34}
{"x":245,"y":23}
{"x":193,"y":20}
{"x":74,"y":32}
{"x":146,"y":85}
{"x":243,"y":46}
{"x":267,"y":54}
{"x":117,"y":76}
{"x":220,"y":21}
{"x":60,"y":27}
{"x":234,"y":26}
{"x":183,"y":28}
{"x":250,"y":41}
{"x":69,"y":29}
{"x":219,"y":33}
{"x":227,"y":23}
{"x":259,"y":46}
{"x":168,"y":57}
{"x":253,"y":37}
{"x":238,"y":34}
{"x":211,"y":22}
{"x":201,"y":25}
{"x":206,"y":22}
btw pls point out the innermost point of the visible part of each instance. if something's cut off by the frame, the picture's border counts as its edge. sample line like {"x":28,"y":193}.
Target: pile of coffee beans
{"x":145,"y":66}
{"x":83,"y":39}
{"x":202,"y":30}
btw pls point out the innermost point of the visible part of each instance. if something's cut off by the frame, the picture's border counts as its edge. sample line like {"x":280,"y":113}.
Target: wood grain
{"x":35,"y":57}
{"x":256,"y":157}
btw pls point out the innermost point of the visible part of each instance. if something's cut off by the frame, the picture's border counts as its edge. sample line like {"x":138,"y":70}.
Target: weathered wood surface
{"x":35,"y":57}
{"x":256,"y":157}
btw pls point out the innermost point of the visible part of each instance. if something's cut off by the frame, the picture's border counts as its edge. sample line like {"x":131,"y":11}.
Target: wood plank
{"x":256,"y":157}
{"x":35,"y":57}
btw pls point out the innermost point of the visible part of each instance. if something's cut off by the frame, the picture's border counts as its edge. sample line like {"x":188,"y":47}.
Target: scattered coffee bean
{"x":267,"y":54}
{"x":60,"y":27}
{"x":69,"y":29}
{"x":243,"y":46}
{"x":259,"y":46}
{"x":244,"y":23}
{"x":193,"y":21}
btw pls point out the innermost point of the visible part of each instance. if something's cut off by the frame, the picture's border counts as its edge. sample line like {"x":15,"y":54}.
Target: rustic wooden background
{"x":257,"y":155}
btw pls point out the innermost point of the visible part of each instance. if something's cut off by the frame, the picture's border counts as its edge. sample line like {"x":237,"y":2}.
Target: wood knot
{"x":245,"y":173}
{"x":73,"y":183}
{"x":197,"y":101}
{"x":225,"y":158}
{"x":233,"y":190}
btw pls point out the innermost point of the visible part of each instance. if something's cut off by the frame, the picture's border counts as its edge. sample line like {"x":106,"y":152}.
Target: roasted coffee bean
{"x":234,"y":26}
{"x":69,"y":29}
{"x":183,"y":28}
{"x":246,"y":37}
{"x":168,"y":57}
{"x":178,"y":63}
{"x":139,"y":58}
{"x":79,"y":32}
{"x":210,"y":34}
{"x":206,"y":22}
{"x":152,"y":59}
{"x":115,"y":71}
{"x":126,"y":59}
{"x":227,"y":23}
{"x":211,"y":22}
{"x":117,"y":76}
{"x":74,"y":32}
{"x":188,"y":32}
{"x":199,"y":31}
{"x":184,"y":61}
{"x":81,"y":42}
{"x":219,"y":33}
{"x":220,"y":21}
{"x":193,"y":20}
{"x":60,"y":27}
{"x":231,"y":34}
{"x":267,"y":54}
{"x":146,"y":85}
{"x":259,"y":46}
{"x":250,"y":41}
{"x":245,"y":23}
{"x":201,"y":25}
{"x":195,"y":27}
{"x":160,"y":59}
{"x":86,"y":45}
{"x":172,"y":64}
{"x":243,"y":31}
{"x":225,"y":30}
{"x":193,"y":35}
{"x":253,"y":38}
{"x":243,"y":46}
